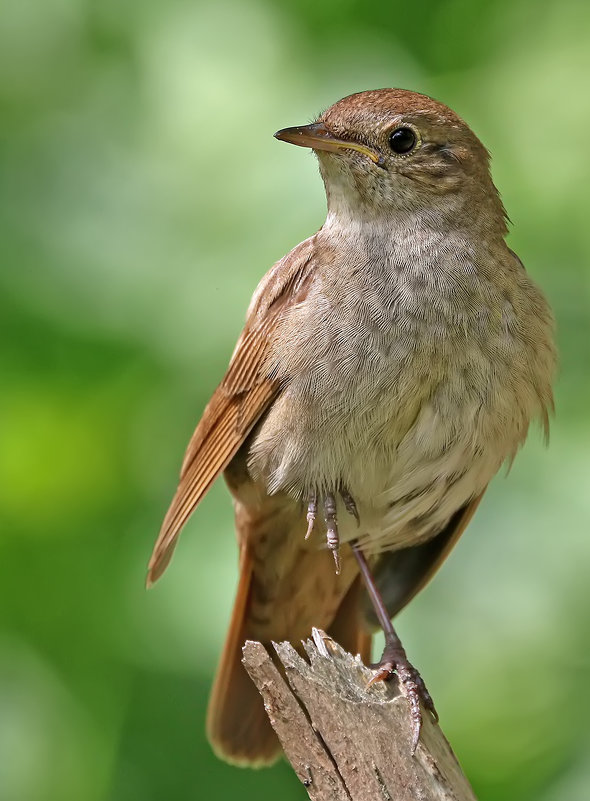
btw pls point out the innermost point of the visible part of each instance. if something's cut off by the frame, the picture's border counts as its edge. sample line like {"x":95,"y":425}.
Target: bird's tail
{"x":272,"y":605}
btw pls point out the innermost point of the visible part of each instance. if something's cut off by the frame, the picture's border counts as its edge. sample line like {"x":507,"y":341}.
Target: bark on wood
{"x":347,"y":741}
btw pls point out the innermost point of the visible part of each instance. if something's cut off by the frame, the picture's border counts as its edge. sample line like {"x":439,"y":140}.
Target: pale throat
{"x":431,"y":234}
{"x":390,"y":231}
{"x":361,"y":206}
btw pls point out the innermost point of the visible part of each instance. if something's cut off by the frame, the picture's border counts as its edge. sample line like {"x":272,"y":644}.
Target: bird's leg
{"x":332,"y":536}
{"x":394,"y":658}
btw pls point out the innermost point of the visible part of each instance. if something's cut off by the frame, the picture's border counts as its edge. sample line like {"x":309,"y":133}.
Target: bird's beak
{"x":318,"y":137}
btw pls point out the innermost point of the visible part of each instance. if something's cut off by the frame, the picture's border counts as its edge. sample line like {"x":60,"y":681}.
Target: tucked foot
{"x":312,"y":508}
{"x":332,"y":535}
{"x":350,"y":505}
{"x":394,"y":660}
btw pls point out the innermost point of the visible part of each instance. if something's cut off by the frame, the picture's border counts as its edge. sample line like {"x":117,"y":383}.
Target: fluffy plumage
{"x":400,"y":353}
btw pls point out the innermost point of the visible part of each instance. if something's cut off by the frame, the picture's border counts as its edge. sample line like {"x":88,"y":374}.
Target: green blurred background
{"x":141,"y":197}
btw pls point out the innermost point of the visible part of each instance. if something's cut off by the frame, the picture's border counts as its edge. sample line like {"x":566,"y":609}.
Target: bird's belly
{"x":409,"y":466}
{"x":410,"y":451}
{"x":406,"y":494}
{"x":411,"y":422}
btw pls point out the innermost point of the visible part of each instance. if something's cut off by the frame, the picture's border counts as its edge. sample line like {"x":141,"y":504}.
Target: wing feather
{"x":239,"y":401}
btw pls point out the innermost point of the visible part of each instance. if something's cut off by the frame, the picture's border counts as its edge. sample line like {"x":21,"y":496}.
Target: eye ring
{"x":403,"y":140}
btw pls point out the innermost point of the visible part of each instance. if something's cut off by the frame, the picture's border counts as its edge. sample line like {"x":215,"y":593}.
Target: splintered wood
{"x":347,"y":741}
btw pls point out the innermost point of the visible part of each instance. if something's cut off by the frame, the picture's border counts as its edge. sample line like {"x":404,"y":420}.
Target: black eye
{"x":402,"y":140}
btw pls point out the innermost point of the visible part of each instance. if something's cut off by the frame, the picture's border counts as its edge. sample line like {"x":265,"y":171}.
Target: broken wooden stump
{"x":347,"y":741}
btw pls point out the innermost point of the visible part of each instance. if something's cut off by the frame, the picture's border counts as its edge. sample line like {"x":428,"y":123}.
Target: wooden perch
{"x":347,"y":742}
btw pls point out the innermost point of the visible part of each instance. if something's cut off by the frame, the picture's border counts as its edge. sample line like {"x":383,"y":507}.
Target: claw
{"x":382,"y":673}
{"x":312,"y":508}
{"x":332,"y":536}
{"x":412,"y":685}
{"x":336,"y":556}
{"x":394,"y":657}
{"x":406,"y":676}
{"x":350,"y":505}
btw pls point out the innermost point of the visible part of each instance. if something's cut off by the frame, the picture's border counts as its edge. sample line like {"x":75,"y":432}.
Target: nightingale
{"x":389,"y":365}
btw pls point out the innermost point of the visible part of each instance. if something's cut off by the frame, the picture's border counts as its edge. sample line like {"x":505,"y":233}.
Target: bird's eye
{"x":402,"y":140}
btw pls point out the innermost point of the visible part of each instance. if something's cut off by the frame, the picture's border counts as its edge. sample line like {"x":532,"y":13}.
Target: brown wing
{"x":400,"y":575}
{"x":239,"y":401}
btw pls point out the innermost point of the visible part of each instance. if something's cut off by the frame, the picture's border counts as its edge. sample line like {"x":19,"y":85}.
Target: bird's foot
{"x":394,"y":660}
{"x":332,"y":535}
{"x":312,"y":509}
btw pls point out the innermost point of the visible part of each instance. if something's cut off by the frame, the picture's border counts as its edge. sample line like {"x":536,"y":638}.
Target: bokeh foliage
{"x":141,"y":197}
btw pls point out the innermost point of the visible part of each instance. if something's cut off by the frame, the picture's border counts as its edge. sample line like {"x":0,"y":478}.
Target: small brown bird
{"x":388,"y":367}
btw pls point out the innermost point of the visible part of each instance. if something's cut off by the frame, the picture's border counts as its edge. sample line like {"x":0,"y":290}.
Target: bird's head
{"x":391,"y":150}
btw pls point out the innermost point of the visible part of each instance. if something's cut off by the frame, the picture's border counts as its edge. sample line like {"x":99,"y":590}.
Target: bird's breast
{"x":402,"y":381}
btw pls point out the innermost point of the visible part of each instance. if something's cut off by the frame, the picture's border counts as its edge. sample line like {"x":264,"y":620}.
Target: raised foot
{"x":394,"y":660}
{"x":332,"y":535}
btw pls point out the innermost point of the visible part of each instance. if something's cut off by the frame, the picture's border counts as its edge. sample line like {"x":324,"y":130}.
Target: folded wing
{"x":241,"y":399}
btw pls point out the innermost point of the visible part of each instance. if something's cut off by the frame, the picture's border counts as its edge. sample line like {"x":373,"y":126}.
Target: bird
{"x":390,"y":364}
